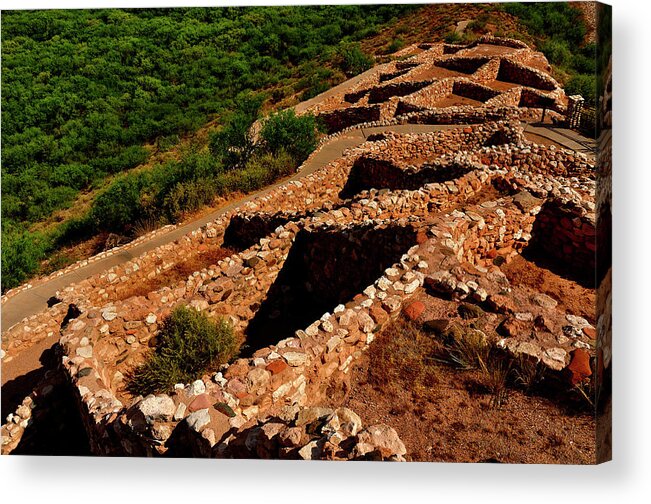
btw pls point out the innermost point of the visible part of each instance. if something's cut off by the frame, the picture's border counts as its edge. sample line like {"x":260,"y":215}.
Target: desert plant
{"x":395,"y":45}
{"x":353,"y":60}
{"x":496,"y":371}
{"x":528,"y":372}
{"x":187,"y":345}
{"x":145,"y":225}
{"x":286,"y":131}
{"x":464,"y":348}
{"x":452,"y":37}
{"x":402,"y":355}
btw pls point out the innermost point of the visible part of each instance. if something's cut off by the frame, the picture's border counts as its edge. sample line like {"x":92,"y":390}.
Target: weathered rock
{"x":381,"y":438}
{"x":579,"y":367}
{"x":198,"y":419}
{"x":157,"y":408}
{"x":469,"y":311}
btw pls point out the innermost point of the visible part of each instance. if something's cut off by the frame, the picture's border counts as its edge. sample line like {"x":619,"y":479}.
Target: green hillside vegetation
{"x":559,"y":32}
{"x":85,"y":92}
{"x":89,"y":97}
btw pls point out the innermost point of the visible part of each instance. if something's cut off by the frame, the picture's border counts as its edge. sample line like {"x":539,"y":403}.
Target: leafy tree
{"x":234,"y":143}
{"x":285,"y":130}
{"x":353,"y":60}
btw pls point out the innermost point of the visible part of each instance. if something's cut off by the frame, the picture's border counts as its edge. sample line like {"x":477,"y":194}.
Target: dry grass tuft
{"x":402,"y":355}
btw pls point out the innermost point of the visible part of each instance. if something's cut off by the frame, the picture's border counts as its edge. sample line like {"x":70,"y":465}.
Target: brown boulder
{"x":277,"y":366}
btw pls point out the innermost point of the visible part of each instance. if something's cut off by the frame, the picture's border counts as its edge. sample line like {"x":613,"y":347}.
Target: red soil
{"x":434,"y":72}
{"x":488,"y":50}
{"x":571,"y":296}
{"x":453,"y":100}
{"x":178,"y":272}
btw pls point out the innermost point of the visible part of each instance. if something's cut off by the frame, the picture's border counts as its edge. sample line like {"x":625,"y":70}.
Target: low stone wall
{"x":538,"y":159}
{"x":245,"y":230}
{"x":369,"y":172}
{"x":384,"y":77}
{"x":511,"y":71}
{"x":309,"y":433}
{"x":566,"y":233}
{"x":383,"y":93}
{"x":337,"y":120}
{"x":473,"y":90}
{"x":426,"y":97}
{"x":534,"y":99}
{"x":467,"y":65}
{"x":454,"y":115}
{"x":487,"y":72}
{"x":32,"y":330}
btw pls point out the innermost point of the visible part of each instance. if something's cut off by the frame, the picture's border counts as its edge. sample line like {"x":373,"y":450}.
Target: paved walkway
{"x":565,"y":137}
{"x":33,"y":300}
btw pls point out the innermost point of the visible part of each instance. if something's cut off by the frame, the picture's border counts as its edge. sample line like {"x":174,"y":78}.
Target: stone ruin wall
{"x":568,"y":235}
{"x":488,"y":229}
{"x":311,"y":192}
{"x":534,"y":89}
{"x":134,"y":321}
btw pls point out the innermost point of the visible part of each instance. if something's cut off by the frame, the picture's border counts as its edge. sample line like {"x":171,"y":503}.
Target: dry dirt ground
{"x":458,"y":424}
{"x":446,"y":414}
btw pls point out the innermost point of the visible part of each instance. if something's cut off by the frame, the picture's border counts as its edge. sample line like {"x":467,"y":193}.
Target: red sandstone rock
{"x":277,"y":366}
{"x":500,"y":303}
{"x":378,"y":314}
{"x":512,"y":328}
{"x":590,"y":332}
{"x":414,"y":310}
{"x":202,"y":401}
{"x":579,"y":367}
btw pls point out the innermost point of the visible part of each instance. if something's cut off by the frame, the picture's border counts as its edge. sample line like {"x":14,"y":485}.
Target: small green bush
{"x":187,"y":197}
{"x":21,"y":256}
{"x":557,"y":52}
{"x":585,"y":85}
{"x":294,"y":134}
{"x":452,"y":38}
{"x":353,"y":60}
{"x":188,"y":345}
{"x":395,"y":45}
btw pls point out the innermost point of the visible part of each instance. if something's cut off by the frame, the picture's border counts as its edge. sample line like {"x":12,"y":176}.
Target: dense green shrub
{"x":188,"y":196}
{"x":21,"y":255}
{"x":557,"y":52}
{"x":395,"y":45}
{"x":233,"y":144}
{"x":585,"y":85}
{"x":187,"y":345}
{"x":119,"y":205}
{"x":353,"y":60}
{"x":294,"y":134}
{"x":453,"y":38}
